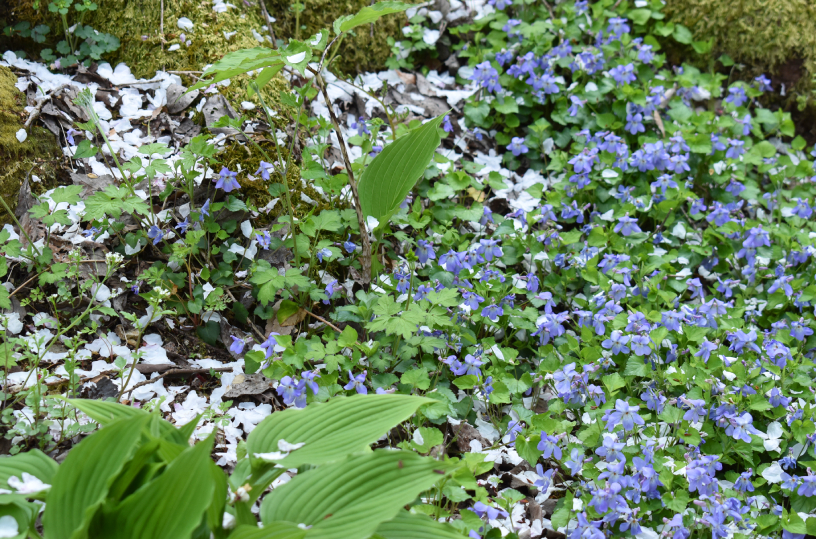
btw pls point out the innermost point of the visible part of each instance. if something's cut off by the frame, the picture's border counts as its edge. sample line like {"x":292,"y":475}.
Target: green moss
{"x":137,"y":24}
{"x":366,"y":50}
{"x":257,"y":192}
{"x":776,"y":37}
{"x":39,"y":154}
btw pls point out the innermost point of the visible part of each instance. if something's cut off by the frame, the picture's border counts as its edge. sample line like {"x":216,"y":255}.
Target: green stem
{"x":16,"y":222}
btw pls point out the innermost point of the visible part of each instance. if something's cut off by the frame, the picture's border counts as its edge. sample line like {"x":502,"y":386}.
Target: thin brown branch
{"x":268,"y":22}
{"x":313,"y":315}
{"x":360,"y":219}
{"x":177,"y":372}
{"x":22,"y":285}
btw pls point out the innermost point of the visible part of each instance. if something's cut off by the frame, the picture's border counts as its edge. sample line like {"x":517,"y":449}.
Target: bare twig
{"x":161,"y":25}
{"x":138,"y":82}
{"x":177,"y":372}
{"x":313,"y":315}
{"x":352,"y":183}
{"x":22,"y":285}
{"x":38,"y":109}
{"x":552,"y":14}
{"x":268,"y":22}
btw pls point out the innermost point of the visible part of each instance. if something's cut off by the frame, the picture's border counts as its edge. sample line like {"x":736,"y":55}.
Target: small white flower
{"x":21,"y":136}
{"x":162,"y":292}
{"x":114,"y":259}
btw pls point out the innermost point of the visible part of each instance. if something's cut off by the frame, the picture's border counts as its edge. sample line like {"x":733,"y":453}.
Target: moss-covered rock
{"x":775,"y":37}
{"x":38,"y":155}
{"x":137,"y":24}
{"x":366,"y":50}
{"x":248,"y":158}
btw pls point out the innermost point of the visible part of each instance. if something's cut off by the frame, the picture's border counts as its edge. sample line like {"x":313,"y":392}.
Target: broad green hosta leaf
{"x":169,"y":507}
{"x":106,"y":413}
{"x":330,"y":431}
{"x":368,"y":15}
{"x":351,"y":498}
{"x":277,"y":530}
{"x":33,"y":462}
{"x":394,"y":172}
{"x":237,"y":63}
{"x":85,"y":476}
{"x":410,"y":526}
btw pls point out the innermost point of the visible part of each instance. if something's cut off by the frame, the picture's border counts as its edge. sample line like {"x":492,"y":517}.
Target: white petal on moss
{"x":21,"y":136}
{"x":185,"y":24}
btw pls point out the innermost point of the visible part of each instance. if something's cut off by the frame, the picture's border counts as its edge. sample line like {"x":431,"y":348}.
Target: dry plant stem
{"x":176,"y":372}
{"x":38,"y":109}
{"x":360,"y":219}
{"x":320,"y":318}
{"x":24,"y":284}
{"x":161,"y":25}
{"x":268,"y":22}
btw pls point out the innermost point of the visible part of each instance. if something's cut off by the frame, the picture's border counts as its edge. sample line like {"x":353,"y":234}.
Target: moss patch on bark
{"x":38,"y":155}
{"x":775,"y":37}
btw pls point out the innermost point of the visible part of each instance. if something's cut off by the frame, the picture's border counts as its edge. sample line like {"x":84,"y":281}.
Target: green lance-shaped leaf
{"x":33,"y":462}
{"x":368,"y":15}
{"x":171,"y":506}
{"x":330,"y":431}
{"x":351,"y":498}
{"x":410,"y":526}
{"x":85,"y":476}
{"x":394,"y":172}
